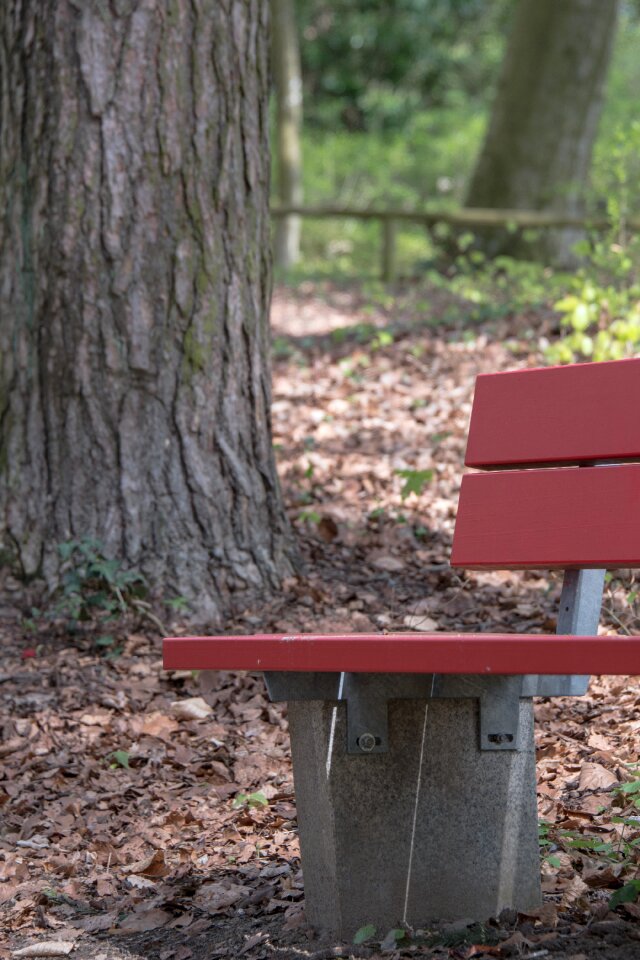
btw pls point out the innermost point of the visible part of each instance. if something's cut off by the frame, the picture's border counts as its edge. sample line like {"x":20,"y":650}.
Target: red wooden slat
{"x":408,"y":653}
{"x":556,"y":415}
{"x":576,"y":517}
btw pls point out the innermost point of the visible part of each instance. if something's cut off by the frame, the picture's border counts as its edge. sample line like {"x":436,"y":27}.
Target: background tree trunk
{"x":287,"y":73}
{"x":537,"y":150}
{"x":134,"y":291}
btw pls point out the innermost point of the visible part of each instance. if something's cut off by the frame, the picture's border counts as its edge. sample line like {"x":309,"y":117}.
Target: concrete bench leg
{"x":466,"y":846}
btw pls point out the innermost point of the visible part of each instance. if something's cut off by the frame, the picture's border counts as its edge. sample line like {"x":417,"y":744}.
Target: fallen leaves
{"x":420,"y":623}
{"x":215,"y":898}
{"x":159,"y":725}
{"x":388,"y":563}
{"x":153,"y":866}
{"x":46,"y":948}
{"x":193,"y":708}
{"x":546,"y":914}
{"x":594,"y":776}
{"x":98,"y":845}
{"x":575,"y":889}
{"x":141,"y":920}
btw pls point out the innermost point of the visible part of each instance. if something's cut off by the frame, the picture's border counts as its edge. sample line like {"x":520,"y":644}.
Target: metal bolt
{"x":366,"y":742}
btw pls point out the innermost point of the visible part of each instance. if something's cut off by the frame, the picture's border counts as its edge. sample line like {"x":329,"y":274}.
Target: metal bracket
{"x":578,"y":616}
{"x":500,"y":714}
{"x":367,"y":695}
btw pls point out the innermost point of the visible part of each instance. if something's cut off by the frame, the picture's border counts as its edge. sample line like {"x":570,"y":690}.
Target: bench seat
{"x":452,"y":653}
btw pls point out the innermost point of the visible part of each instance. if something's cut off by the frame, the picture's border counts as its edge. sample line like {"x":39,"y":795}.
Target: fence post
{"x":388,"y":267}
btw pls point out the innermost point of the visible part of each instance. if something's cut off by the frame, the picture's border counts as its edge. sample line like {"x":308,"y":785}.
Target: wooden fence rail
{"x":472,"y":217}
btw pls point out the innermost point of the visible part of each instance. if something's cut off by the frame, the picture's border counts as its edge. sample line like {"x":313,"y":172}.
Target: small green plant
{"x":384,"y":338}
{"x":112,"y":649}
{"x":177,"y":604}
{"x":94,"y":586}
{"x":546,"y":844}
{"x":256,"y":799}
{"x":627,"y":894}
{"x":601,"y":313}
{"x":30,"y":624}
{"x":281,"y":349}
{"x":414,"y":481}
{"x":364,"y":334}
{"x":622,"y":849}
{"x":119,"y":758}
{"x":309,"y":516}
{"x":352,"y":367}
{"x":603,"y":324}
{"x":364,"y":933}
{"x":393,"y":939}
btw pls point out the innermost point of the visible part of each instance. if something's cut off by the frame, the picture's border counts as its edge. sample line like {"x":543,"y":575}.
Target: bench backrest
{"x":562,"y":510}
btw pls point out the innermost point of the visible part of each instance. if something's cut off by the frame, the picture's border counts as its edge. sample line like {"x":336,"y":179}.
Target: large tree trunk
{"x":287,"y":72}
{"x":537,"y":151}
{"x":134,"y":291}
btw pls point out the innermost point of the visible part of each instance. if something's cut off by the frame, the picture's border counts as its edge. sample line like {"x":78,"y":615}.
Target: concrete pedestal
{"x":433,"y":829}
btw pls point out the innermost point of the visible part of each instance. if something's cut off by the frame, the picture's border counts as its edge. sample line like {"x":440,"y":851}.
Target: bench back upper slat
{"x":519,"y":519}
{"x":556,"y":415}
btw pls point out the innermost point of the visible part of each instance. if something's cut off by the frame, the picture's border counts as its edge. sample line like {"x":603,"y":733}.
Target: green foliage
{"x":414,"y":481}
{"x":371,"y":65}
{"x":120,"y":758}
{"x":397,"y":100}
{"x":364,"y":333}
{"x":256,"y":799}
{"x":364,"y":933}
{"x":392,"y":939}
{"x":546,"y":844}
{"x":30,"y":624}
{"x":110,"y":646}
{"x":94,"y":586}
{"x":424,"y":164}
{"x":627,"y":894}
{"x":309,"y":516}
{"x":601,"y":313}
{"x":604,"y":324}
{"x":621,"y":848}
{"x":178,"y":604}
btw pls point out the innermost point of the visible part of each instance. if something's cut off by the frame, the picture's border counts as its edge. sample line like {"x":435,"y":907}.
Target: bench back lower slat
{"x":556,"y":415}
{"x":556,"y":518}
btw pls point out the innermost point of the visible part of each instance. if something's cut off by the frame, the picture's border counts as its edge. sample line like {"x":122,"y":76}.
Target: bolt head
{"x":366,"y":742}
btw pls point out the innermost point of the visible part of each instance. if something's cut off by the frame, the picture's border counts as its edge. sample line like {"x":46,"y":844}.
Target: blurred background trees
{"x":399,"y":99}
{"x":287,"y":76}
{"x":544,"y":119}
{"x":371,"y":66}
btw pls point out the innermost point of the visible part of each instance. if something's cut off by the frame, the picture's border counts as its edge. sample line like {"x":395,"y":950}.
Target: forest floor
{"x":129,"y":825}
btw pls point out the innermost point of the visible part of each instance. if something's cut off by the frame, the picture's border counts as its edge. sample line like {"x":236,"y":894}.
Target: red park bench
{"x":413,"y":754}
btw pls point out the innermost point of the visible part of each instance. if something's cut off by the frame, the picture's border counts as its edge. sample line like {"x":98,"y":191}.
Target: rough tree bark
{"x":287,"y":73}
{"x":134,"y":291}
{"x":537,"y":150}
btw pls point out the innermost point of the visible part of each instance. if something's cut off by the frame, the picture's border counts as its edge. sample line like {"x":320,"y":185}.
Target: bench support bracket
{"x":367,"y":697}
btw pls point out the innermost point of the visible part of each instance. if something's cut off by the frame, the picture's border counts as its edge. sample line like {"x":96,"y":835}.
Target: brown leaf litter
{"x":117,"y":781}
